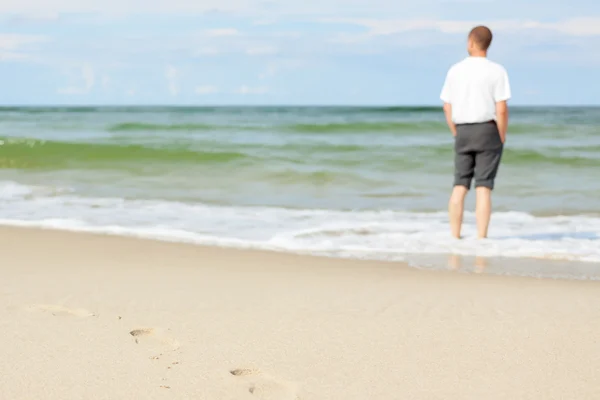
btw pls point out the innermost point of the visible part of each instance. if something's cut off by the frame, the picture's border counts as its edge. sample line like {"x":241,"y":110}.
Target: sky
{"x":359,"y":52}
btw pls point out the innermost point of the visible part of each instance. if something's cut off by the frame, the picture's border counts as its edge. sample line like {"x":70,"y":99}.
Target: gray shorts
{"x":478,"y":150}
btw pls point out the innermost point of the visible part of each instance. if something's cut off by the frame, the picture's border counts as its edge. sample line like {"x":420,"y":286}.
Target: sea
{"x":352,"y":182}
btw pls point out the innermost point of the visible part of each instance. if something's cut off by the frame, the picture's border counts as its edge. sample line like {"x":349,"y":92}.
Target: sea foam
{"x":366,"y":234}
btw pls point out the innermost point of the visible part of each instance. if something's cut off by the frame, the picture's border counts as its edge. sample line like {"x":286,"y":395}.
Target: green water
{"x":298,"y":156}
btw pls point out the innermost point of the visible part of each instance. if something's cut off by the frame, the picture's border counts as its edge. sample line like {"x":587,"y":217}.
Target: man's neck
{"x":478,"y":53}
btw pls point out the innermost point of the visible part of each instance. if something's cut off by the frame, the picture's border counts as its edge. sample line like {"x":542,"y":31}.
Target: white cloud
{"x":164,"y":7}
{"x":248,"y":90}
{"x":89,"y":80}
{"x":222,"y":32}
{"x":207,"y":89}
{"x":172,"y":76}
{"x":14,"y":41}
{"x":11,"y":56}
{"x":376,"y":27}
{"x":576,"y":26}
{"x":116,"y":7}
{"x":261,"y":51}
{"x":391,"y":26}
{"x":45,"y":16}
{"x":12,"y":46}
{"x":275,"y":67}
{"x":261,"y":10}
{"x":264,"y":21}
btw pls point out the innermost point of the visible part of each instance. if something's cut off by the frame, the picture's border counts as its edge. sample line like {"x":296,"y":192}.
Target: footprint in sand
{"x":266,"y":387}
{"x":59,"y":311}
{"x":154,"y":335}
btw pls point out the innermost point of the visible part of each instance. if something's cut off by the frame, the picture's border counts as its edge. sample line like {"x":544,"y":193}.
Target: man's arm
{"x":446,"y":97}
{"x":502,"y":118}
{"x":448,"y":113}
{"x":501,"y":95}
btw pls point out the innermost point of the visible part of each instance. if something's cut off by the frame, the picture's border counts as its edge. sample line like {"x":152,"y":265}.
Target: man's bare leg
{"x":456,"y":209}
{"x":483,"y":211}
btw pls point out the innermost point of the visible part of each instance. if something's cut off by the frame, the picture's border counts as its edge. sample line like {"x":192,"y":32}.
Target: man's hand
{"x":502,"y":119}
{"x":448,"y":113}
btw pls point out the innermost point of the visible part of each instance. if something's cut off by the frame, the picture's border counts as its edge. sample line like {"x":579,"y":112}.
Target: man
{"x":474,"y":95}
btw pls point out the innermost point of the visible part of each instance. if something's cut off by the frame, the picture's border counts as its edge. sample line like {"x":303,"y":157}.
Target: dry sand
{"x":94,"y":317}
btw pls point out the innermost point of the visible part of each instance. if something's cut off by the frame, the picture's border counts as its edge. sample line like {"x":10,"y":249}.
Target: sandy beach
{"x":99,"y":317}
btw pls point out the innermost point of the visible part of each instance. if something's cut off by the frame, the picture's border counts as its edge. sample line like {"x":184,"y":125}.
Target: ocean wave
{"x":147,"y":127}
{"x":366,"y":127}
{"x":560,"y":157}
{"x":369,"y":234}
{"x":349,"y":127}
{"x":322,"y":128}
{"x":34,"y":154}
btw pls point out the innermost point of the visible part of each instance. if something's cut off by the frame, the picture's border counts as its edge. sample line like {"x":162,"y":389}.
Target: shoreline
{"x":531,"y":267}
{"x":97,"y":317}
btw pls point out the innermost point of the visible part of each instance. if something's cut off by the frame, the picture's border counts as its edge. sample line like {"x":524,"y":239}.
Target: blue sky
{"x":275,"y":52}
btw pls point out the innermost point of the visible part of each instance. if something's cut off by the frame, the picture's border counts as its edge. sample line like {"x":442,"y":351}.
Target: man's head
{"x":480,"y":39}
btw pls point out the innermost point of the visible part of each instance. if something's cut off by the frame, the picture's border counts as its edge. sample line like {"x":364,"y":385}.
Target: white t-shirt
{"x":473,"y":87}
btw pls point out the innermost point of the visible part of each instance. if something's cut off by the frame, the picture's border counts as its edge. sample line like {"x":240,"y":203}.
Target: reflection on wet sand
{"x":456,"y":262}
{"x":481,"y":264}
{"x":529,"y":267}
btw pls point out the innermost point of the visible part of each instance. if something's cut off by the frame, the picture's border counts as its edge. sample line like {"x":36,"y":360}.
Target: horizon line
{"x":391,"y":105}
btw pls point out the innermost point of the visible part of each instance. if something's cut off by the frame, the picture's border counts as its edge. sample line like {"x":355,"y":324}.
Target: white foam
{"x":11,"y":190}
{"x":383,"y":235}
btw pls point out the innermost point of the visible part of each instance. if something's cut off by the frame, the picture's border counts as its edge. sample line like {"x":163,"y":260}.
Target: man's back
{"x":473,"y":87}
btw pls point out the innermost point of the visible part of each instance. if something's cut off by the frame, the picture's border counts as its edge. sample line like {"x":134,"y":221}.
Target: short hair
{"x":482,"y":36}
